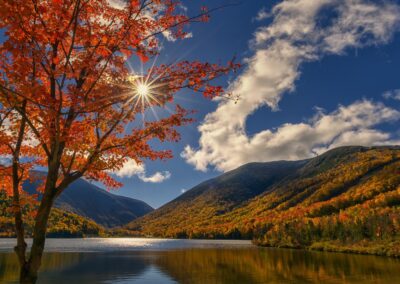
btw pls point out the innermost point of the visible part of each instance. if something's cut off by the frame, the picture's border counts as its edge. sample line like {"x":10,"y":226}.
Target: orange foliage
{"x":69,"y":102}
{"x":64,"y":72}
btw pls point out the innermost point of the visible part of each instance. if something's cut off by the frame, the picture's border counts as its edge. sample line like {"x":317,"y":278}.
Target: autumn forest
{"x":178,"y":131}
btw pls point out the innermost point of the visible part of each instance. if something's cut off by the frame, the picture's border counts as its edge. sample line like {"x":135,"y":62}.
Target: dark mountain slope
{"x":349,"y":195}
{"x":106,"y":209}
{"x":61,"y":223}
{"x":216,"y":196}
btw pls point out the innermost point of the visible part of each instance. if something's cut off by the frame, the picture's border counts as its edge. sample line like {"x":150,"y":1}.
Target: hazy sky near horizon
{"x":316,"y":74}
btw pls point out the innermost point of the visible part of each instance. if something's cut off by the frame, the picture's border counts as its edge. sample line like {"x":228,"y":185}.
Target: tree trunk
{"x":25,"y":277}
{"x":20,"y":248}
{"x":39,"y":238}
{"x":29,"y":271}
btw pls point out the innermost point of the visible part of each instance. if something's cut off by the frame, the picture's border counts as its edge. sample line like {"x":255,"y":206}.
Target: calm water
{"x":151,"y":261}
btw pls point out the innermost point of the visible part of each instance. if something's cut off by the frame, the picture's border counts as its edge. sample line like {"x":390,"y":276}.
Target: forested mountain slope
{"x":214,"y":197}
{"x":61,"y":223}
{"x":87,"y":200}
{"x":350,"y":195}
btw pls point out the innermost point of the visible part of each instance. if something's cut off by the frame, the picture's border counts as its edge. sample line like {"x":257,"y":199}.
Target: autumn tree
{"x":70,"y":103}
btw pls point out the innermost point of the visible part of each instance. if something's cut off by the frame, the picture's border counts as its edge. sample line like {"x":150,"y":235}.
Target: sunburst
{"x":142,"y":90}
{"x":146,"y":91}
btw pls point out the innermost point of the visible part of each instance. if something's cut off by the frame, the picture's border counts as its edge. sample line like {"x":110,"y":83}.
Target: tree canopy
{"x":70,"y":103}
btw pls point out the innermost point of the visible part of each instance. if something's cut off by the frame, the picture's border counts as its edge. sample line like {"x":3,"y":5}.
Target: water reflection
{"x":208,"y":265}
{"x":125,"y":244}
{"x":276,"y":266}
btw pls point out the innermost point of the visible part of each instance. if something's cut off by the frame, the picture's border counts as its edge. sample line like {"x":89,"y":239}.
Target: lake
{"x":131,"y":260}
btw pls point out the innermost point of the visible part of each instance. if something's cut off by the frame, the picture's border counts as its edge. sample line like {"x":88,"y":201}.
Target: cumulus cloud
{"x":157,"y":177}
{"x":299,"y":33}
{"x":131,"y":168}
{"x":348,"y":125}
{"x":262,"y":15}
{"x":393,"y":94}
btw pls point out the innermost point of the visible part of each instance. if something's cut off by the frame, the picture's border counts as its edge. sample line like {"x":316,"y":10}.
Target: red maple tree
{"x":67,"y":95}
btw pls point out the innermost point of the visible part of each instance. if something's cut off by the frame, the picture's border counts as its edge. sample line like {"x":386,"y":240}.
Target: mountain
{"x":90,"y":201}
{"x":61,"y":223}
{"x":347,"y":197}
{"x":214,"y":197}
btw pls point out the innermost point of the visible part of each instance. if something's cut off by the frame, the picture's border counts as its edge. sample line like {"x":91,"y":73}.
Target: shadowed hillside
{"x":214,"y":197}
{"x":88,"y":200}
{"x":345,"y":199}
{"x":61,"y":223}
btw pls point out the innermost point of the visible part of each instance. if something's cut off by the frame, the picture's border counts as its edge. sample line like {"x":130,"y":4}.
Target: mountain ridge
{"x":231,"y":199}
{"x":88,"y":200}
{"x":350,"y":193}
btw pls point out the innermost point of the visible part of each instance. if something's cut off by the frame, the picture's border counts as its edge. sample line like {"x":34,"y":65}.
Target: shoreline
{"x":389,"y":249}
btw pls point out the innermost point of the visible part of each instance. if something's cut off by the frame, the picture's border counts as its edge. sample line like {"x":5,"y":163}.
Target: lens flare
{"x":142,"y":90}
{"x":147,"y":91}
{"x":144,"y":93}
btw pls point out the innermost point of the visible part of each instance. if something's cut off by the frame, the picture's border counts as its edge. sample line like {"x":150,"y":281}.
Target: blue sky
{"x":316,"y":74}
{"x":337,"y":87}
{"x":226,"y":35}
{"x":334,"y":97}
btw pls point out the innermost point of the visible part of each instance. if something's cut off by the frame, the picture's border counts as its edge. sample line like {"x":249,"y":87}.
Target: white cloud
{"x":9,"y":123}
{"x":348,"y":125}
{"x":118,"y":4}
{"x":157,"y":177}
{"x":123,"y":4}
{"x":393,"y":94}
{"x":262,"y":15}
{"x":131,"y":168}
{"x":170,"y":37}
{"x":297,"y":34}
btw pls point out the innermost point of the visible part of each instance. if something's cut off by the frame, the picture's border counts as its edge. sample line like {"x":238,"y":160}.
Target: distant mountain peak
{"x":88,"y":200}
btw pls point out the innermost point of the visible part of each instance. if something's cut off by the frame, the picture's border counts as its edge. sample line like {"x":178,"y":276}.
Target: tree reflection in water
{"x":219,"y":265}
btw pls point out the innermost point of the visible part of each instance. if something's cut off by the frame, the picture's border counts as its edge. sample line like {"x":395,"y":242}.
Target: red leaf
{"x":142,"y":56}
